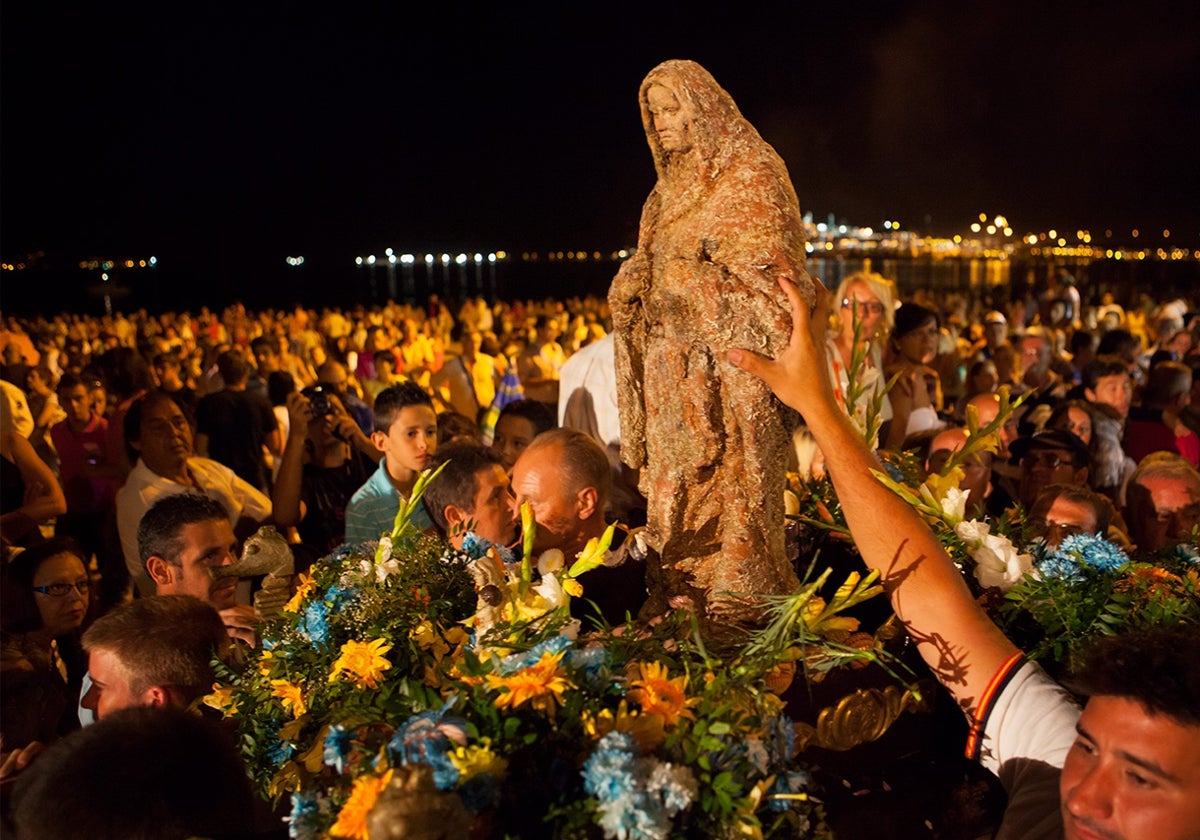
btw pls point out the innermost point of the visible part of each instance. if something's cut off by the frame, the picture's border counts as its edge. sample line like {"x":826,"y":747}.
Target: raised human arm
{"x":285,"y":492}
{"x":956,"y":638}
{"x":349,"y":431}
{"x":44,"y":497}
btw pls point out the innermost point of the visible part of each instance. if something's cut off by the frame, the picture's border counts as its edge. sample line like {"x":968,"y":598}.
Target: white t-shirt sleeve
{"x":1025,"y":727}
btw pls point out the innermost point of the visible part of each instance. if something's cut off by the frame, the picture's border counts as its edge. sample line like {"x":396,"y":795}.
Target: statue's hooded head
{"x":696,"y":115}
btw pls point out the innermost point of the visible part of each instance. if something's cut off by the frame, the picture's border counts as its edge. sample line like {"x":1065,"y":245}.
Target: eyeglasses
{"x":872,"y":306}
{"x":1049,"y":460}
{"x":61,"y":590}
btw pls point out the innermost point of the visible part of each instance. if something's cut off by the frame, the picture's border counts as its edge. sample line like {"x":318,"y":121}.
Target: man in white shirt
{"x":159,"y":433}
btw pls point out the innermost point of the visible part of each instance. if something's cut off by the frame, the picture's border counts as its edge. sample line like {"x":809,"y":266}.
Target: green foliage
{"x":1057,"y":617}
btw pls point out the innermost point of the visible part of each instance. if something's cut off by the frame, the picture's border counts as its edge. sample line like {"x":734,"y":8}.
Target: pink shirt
{"x":76,"y":451}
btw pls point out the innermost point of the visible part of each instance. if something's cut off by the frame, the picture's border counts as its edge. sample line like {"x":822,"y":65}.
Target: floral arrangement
{"x":1088,"y":587}
{"x":985,"y":549}
{"x":417,"y":682}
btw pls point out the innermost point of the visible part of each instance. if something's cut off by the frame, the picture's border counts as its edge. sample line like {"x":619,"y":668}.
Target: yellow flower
{"x":352,"y":819}
{"x":291,"y":695}
{"x":266,"y":662}
{"x":305,"y":586}
{"x":365,"y":662}
{"x":819,"y":623}
{"x":572,"y":587}
{"x":427,"y":638}
{"x":658,"y":695}
{"x":541,"y":685}
{"x":646,"y":729}
{"x":222,"y":700}
{"x":477,"y":760}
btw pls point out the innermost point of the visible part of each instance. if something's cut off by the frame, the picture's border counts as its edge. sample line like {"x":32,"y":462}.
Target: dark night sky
{"x":229,"y":132}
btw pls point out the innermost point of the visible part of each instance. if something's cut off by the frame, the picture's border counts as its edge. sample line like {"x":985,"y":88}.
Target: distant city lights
{"x":987,"y":235}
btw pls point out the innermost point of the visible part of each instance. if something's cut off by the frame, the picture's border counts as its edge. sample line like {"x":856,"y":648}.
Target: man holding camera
{"x":327,"y":458}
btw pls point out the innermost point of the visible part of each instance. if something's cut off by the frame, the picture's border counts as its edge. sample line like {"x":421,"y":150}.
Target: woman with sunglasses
{"x":45,"y":600}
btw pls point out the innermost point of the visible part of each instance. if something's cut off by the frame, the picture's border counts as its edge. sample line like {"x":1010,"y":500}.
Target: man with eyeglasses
{"x":1064,"y":510}
{"x":161,"y":442}
{"x":1052,"y":457}
{"x":1164,"y":502}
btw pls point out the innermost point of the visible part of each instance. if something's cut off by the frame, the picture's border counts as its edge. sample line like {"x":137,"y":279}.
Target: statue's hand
{"x":629,"y":285}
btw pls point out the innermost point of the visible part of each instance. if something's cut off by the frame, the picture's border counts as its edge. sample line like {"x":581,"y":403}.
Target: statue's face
{"x":672,"y":119}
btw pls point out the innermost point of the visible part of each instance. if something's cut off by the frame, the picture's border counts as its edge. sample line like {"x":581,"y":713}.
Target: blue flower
{"x":340,"y":554}
{"x":515,"y":662}
{"x":1188,"y":553}
{"x":301,"y":821}
{"x":782,"y":740}
{"x":338,"y":597}
{"x":608,"y":772}
{"x":1056,"y":565}
{"x":425,"y":739}
{"x":315,"y":624}
{"x":476,"y":546}
{"x":894,"y":472}
{"x":337,"y":745}
{"x":786,"y":786}
{"x":1095,"y":551}
{"x":593,"y":660}
{"x":280,"y":751}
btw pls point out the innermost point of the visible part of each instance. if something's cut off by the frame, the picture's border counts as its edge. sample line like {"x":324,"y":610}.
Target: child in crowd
{"x":406,"y":434}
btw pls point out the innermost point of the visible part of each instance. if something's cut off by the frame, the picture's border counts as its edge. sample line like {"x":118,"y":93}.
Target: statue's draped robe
{"x":720,"y":227}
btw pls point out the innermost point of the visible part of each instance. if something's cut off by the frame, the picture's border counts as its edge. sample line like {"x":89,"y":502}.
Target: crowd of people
{"x":140,"y":451}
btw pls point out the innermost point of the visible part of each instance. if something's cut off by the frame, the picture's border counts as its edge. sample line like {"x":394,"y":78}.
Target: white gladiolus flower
{"x":954,"y":503}
{"x":551,"y":590}
{"x":386,"y":569}
{"x":551,"y":560}
{"x":972,"y":531}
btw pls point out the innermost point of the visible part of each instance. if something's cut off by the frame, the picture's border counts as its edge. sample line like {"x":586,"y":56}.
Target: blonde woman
{"x":862,"y":312}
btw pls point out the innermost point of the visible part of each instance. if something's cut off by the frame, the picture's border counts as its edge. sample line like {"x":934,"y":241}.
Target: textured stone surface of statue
{"x":721,"y":225}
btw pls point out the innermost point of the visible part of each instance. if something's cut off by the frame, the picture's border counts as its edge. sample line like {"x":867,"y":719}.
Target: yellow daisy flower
{"x":291,"y":695}
{"x":658,"y":695}
{"x":364,"y":662}
{"x":541,"y":685}
{"x":352,"y":819}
